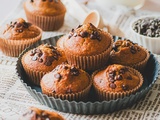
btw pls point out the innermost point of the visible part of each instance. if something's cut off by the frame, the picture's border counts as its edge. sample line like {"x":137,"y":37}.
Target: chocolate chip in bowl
{"x":146,"y":32}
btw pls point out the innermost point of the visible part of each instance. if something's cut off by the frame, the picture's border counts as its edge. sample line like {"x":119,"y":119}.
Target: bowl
{"x":92,"y":106}
{"x":150,"y":43}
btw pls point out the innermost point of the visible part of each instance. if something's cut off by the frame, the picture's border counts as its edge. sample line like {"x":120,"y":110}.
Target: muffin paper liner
{"x":90,"y":63}
{"x":15,"y":47}
{"x":33,"y":76}
{"x":92,"y":106}
{"x":141,"y":65}
{"x":46,"y":23}
{"x":104,"y":95}
{"x":80,"y":96}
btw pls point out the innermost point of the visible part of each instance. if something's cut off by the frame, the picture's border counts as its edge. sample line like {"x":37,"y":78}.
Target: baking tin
{"x":92,"y":106}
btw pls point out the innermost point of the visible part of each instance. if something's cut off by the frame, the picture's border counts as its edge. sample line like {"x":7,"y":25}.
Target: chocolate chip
{"x":18,"y":25}
{"x":112,"y":80}
{"x":84,"y":34}
{"x":121,"y":71}
{"x":50,"y":0}
{"x":25,"y":25}
{"x":40,"y":60}
{"x":75,"y":35}
{"x":65,"y":67}
{"x":118,"y":77}
{"x":74,"y":71}
{"x":44,"y":115}
{"x":147,"y":27}
{"x":48,"y":63}
{"x":57,"y":76}
{"x":92,"y":36}
{"x":124,"y":87}
{"x":34,"y":58}
{"x":112,"y":85}
{"x":68,"y":91}
{"x":133,"y":50}
{"x":129,"y":77}
{"x":32,"y":1}
{"x":79,"y":26}
{"x":53,"y":91}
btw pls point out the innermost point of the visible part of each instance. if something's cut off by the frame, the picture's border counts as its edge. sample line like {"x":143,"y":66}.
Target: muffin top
{"x":19,"y":29}
{"x":60,"y":41}
{"x":45,"y":7}
{"x":126,"y":52}
{"x":117,"y":78}
{"x":37,"y":114}
{"x":43,"y":58}
{"x":86,"y":39}
{"x":65,"y":79}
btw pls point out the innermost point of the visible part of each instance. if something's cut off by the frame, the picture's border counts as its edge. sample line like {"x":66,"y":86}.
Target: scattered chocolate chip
{"x":122,"y":71}
{"x":34,"y":58}
{"x":118,"y":77}
{"x":75,"y":35}
{"x":129,"y":77}
{"x":44,"y":115}
{"x":48,"y":63}
{"x":124,"y":87}
{"x":112,"y":85}
{"x":53,"y":91}
{"x":92,"y":36}
{"x":74,"y":71}
{"x":84,"y":34}
{"x":57,"y":76}
{"x":18,"y":25}
{"x":112,"y":80}
{"x":132,"y":49}
{"x":68,"y":91}
{"x":32,"y":1}
{"x":65,"y":67}
{"x":40,"y":60}
{"x":79,"y":26}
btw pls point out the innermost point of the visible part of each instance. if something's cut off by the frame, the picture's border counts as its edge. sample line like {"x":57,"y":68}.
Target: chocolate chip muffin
{"x":88,"y":47}
{"x":47,"y":14}
{"x":41,"y":60}
{"x":66,"y":82}
{"x":60,"y":41}
{"x":34,"y":113}
{"x":18,"y":35}
{"x":116,"y":81}
{"x":125,"y":52}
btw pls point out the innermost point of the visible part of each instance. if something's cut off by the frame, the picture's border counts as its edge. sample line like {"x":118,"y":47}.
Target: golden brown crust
{"x":45,"y":7}
{"x":126,"y":52}
{"x":87,"y":40}
{"x":38,"y":114}
{"x":19,"y":29}
{"x":43,"y":58}
{"x":116,"y":78}
{"x":65,"y":79}
{"x":60,"y":41}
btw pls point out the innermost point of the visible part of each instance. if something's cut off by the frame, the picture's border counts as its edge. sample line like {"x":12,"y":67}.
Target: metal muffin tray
{"x":92,"y":106}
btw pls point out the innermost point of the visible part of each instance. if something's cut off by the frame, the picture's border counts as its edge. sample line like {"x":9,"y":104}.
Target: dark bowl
{"x":91,"y":106}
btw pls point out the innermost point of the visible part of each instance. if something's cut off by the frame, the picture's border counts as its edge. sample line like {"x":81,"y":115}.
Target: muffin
{"x":145,"y":31}
{"x":34,"y":113}
{"x":60,"y":41}
{"x":47,"y":14}
{"x":66,"y":82}
{"x":18,"y":35}
{"x":116,"y":81}
{"x":88,"y":47}
{"x":125,"y":52}
{"x":41,"y":60}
